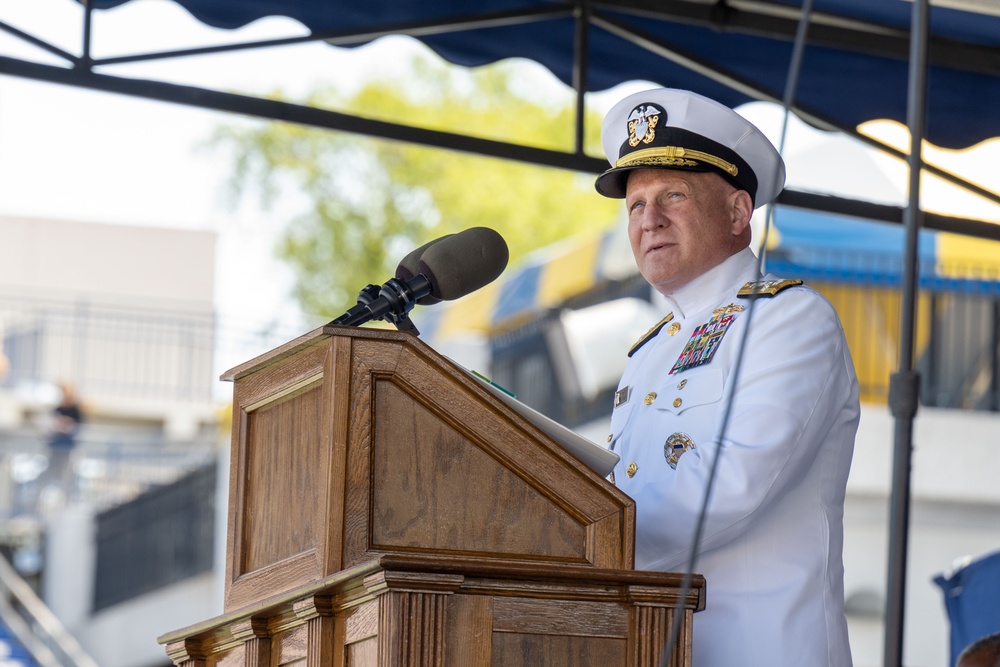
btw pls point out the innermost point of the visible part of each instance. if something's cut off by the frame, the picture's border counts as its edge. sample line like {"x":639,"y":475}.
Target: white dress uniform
{"x":772,"y":543}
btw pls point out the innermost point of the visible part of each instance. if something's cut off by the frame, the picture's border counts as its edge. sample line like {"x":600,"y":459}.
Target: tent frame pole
{"x":904,"y":385}
{"x":581,"y":60}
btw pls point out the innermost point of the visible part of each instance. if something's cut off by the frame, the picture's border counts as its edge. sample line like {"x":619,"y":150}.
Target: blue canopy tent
{"x":853,"y":67}
{"x":815,"y":246}
{"x":861,"y":62}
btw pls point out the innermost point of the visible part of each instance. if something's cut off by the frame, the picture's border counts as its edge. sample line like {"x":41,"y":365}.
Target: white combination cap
{"x":666,"y":128}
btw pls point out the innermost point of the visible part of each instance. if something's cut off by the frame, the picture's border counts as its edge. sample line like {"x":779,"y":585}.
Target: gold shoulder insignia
{"x":649,"y":334}
{"x":766,"y":288}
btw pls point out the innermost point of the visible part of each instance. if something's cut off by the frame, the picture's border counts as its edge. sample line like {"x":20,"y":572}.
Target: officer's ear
{"x":741,"y":210}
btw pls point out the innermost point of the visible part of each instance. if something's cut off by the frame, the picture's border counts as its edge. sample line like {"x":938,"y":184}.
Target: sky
{"x":73,"y":154}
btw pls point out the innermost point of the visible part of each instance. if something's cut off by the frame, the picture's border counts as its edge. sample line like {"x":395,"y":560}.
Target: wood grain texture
{"x":235,"y":657}
{"x":529,"y":650}
{"x":187,"y":652}
{"x":258,"y":652}
{"x":367,"y":443}
{"x":281,"y":479}
{"x":256,"y":639}
{"x":408,"y":610}
{"x":411,"y":629}
{"x":357,"y":499}
{"x":321,"y":638}
{"x":291,"y":646}
{"x":438,"y":465}
{"x":560,"y":617}
{"x":435,"y":490}
{"x":361,"y":621}
{"x":285,"y":461}
{"x":337,"y":398}
{"x":284,"y":575}
{"x":469,"y":639}
{"x":363,"y":654}
{"x":272,"y":357}
{"x":651,"y":628}
{"x":386,"y":510}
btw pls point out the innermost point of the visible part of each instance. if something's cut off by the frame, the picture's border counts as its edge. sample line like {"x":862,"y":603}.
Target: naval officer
{"x":691,"y":172}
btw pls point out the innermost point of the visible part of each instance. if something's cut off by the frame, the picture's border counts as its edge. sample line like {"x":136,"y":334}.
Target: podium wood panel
{"x":351,"y":444}
{"x":270,"y":484}
{"x":445,"y":492}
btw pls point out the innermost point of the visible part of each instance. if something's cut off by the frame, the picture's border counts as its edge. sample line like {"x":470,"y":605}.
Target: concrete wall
{"x":143,"y":267}
{"x":955,"y":514}
{"x":124,"y":313}
{"x":125,"y":634}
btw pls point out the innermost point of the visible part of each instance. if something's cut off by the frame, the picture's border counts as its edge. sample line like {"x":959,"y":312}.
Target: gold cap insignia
{"x":642,"y":124}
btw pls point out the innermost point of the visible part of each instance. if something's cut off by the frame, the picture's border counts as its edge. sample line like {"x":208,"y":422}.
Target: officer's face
{"x":683,"y":223}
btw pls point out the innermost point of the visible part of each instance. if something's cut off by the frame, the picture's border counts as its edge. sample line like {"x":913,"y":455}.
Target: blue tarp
{"x":834,"y":248}
{"x":972,"y":600}
{"x":826,"y":247}
{"x":12,"y":651}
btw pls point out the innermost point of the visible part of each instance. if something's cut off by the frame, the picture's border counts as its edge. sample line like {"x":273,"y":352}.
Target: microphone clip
{"x":401,"y":298}
{"x":392,"y":302}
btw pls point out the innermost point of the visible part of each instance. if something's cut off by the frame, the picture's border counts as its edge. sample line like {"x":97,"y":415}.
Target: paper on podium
{"x":597,"y":458}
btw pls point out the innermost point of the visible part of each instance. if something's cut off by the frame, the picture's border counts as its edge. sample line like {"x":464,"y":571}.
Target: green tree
{"x":365,"y":202}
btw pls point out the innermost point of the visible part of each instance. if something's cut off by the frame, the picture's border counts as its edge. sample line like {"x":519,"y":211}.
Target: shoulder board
{"x":765,"y":288}
{"x":649,"y":334}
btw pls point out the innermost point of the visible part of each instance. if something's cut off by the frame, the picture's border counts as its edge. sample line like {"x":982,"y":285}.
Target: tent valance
{"x":854,"y":68}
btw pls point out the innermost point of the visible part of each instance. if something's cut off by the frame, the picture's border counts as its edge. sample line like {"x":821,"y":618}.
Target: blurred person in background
{"x":67,"y":416}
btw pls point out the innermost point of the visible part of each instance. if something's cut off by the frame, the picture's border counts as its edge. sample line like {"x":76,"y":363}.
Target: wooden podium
{"x":386,"y":510}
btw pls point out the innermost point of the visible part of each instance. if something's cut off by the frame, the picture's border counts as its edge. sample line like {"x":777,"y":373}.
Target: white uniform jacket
{"x":772,"y":544}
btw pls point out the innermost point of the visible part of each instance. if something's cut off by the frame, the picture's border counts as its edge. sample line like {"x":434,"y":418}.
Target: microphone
{"x":463,"y":263}
{"x":409,"y":267}
{"x":446,"y":269}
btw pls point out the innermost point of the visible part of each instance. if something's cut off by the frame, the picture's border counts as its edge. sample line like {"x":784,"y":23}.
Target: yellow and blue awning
{"x":827,"y":247}
{"x":817,"y":247}
{"x":543,"y":280}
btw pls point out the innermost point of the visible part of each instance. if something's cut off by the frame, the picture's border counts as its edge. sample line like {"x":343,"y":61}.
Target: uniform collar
{"x":712,"y":286}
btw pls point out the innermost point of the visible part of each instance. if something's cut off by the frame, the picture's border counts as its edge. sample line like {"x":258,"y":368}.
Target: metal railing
{"x":107,"y":467}
{"x":957,"y":323}
{"x":161,"y":537}
{"x":34,"y":624}
{"x":109,"y":351}
{"x":155,"y":500}
{"x":116,"y":352}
